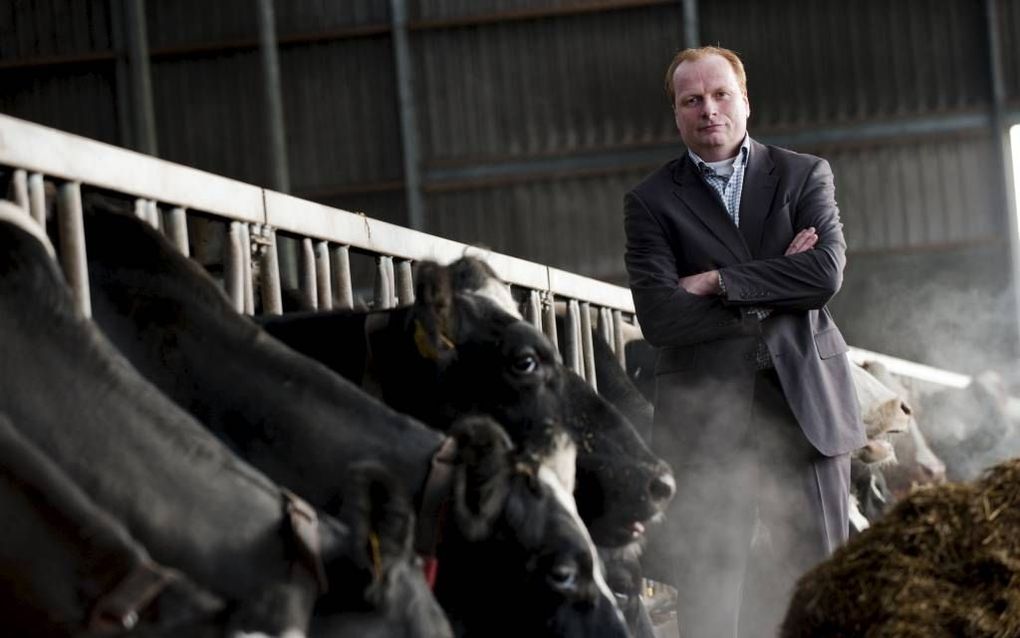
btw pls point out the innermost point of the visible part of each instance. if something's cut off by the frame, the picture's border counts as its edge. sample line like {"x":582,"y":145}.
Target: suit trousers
{"x":743,"y":528}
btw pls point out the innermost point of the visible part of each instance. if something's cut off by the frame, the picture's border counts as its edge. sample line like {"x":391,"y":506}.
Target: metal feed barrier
{"x":166,"y":193}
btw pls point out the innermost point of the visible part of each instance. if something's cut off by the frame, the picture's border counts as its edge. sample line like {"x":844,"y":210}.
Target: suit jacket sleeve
{"x":669,"y":315}
{"x":806,"y":280}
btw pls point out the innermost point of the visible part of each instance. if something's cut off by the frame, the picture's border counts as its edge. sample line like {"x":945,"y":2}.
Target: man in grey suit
{"x":733,"y":250}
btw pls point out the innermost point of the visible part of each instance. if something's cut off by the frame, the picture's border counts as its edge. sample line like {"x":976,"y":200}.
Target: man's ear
{"x":482,"y":480}
{"x":434,"y":323}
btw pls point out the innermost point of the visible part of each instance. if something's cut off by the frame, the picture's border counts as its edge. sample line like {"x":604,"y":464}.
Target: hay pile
{"x":944,"y":562}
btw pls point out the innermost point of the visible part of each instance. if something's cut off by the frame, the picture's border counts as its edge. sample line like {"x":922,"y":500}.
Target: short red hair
{"x":702,"y":52}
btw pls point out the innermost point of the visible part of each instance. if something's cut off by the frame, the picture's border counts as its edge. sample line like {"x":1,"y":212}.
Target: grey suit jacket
{"x":676,"y":225}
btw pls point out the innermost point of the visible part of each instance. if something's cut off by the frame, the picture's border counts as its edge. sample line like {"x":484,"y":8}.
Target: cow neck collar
{"x":434,"y":498}
{"x":121,"y":607}
{"x":304,"y":529}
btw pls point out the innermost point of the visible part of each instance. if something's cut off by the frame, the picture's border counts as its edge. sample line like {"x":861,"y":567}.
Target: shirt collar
{"x":742,"y":154}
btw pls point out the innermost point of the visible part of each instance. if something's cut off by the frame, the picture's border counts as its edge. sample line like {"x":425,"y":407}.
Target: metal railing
{"x":165,"y":192}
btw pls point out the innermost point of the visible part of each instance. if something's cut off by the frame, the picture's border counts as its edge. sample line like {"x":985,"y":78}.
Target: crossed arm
{"x":676,"y":310}
{"x":707,"y":283}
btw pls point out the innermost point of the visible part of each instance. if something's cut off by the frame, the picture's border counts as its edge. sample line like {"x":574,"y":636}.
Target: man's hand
{"x":707,"y":283}
{"x":704,"y":283}
{"x":804,"y":241}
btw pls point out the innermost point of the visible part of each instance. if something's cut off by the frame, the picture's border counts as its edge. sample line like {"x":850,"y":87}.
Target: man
{"x":733,"y":249}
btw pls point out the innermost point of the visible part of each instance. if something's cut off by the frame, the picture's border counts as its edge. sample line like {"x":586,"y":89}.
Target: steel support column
{"x":408,"y":116}
{"x":273,"y":95}
{"x":692,"y":28}
{"x":143,"y":112}
{"x":1001,"y":144}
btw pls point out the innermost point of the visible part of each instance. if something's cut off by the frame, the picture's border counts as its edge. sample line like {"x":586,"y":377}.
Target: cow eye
{"x":563,"y":577}
{"x":525,"y":363}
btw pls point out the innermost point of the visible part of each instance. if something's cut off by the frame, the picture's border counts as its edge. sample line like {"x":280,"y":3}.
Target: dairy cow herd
{"x":171,"y":467}
{"x":427,"y":471}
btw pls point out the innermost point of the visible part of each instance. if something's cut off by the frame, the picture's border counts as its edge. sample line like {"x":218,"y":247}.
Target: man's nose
{"x":708,"y":108}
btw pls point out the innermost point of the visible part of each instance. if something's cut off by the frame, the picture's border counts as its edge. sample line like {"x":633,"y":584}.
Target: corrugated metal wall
{"x":535,"y":116}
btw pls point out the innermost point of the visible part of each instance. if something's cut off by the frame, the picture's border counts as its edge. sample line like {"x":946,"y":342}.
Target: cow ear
{"x":378,"y":514}
{"x":433,"y":310}
{"x":470,"y":274}
{"x":482,"y":481}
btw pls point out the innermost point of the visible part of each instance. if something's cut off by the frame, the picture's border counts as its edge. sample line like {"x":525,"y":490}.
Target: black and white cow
{"x":180,"y":492}
{"x":68,"y":567}
{"x":302,"y":424}
{"x":454,"y":353}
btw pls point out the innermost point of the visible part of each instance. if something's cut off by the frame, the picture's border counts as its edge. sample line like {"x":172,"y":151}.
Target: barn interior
{"x":483,"y":121}
{"x":517,"y":126}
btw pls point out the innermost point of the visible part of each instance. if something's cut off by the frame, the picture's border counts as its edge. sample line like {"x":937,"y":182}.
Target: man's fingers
{"x":804,"y":240}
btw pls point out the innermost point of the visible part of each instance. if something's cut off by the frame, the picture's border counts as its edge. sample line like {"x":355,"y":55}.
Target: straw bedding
{"x":944,"y":562}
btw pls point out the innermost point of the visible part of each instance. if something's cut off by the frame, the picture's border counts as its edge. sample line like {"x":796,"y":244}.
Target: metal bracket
{"x":262,"y":239}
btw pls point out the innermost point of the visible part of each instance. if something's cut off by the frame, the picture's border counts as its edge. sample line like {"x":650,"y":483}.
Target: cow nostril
{"x":662,"y":488}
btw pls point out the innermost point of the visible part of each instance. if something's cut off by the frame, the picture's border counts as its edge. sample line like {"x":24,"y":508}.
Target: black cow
{"x":190,"y":501}
{"x":454,"y":352}
{"x":68,"y":567}
{"x":302,"y":424}
{"x":622,"y":563}
{"x":641,"y":357}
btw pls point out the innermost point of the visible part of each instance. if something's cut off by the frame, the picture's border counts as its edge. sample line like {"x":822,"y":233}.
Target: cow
{"x":180,"y":492}
{"x":969,"y":428}
{"x":302,"y":424}
{"x":641,"y":357}
{"x":916,"y":463}
{"x":69,"y":567}
{"x":622,"y":563}
{"x":884,"y":413}
{"x":454,"y":352}
{"x":624,"y":571}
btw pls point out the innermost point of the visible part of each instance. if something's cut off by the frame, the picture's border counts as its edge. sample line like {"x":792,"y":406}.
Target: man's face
{"x":711,"y":111}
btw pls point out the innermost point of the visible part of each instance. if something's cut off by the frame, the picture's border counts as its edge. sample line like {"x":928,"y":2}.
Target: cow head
{"x":916,"y":463}
{"x":375,"y":572}
{"x":483,"y":358}
{"x":513,"y":517}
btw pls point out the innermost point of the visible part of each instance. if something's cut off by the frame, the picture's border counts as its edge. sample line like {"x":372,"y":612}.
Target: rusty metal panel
{"x":341,"y":116}
{"x":309,"y":16}
{"x":534,"y":220}
{"x":53,"y":29}
{"x":192,"y":22}
{"x":930,"y":193}
{"x":432,"y":11}
{"x":1009,"y":39}
{"x":827,"y":61}
{"x":77,"y":99}
{"x":208,"y":116}
{"x":553,"y":85}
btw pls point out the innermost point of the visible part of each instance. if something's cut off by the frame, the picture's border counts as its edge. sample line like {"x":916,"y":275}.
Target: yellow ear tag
{"x":373,"y":540}
{"x":421,"y":339}
{"x":425,"y":349}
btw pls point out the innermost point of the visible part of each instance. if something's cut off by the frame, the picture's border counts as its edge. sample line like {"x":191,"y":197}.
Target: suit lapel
{"x":699,"y":198}
{"x":756,"y":197}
